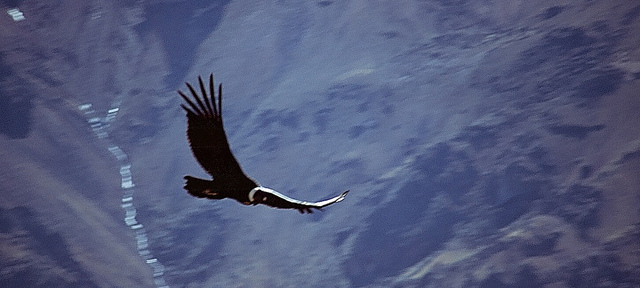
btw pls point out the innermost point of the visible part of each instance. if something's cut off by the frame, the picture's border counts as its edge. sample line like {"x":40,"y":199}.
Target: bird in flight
{"x":209,"y":145}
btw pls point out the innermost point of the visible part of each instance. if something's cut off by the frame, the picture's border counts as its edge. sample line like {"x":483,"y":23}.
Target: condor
{"x":209,"y":145}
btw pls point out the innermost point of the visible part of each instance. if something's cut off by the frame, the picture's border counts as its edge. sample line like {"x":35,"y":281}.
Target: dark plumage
{"x":209,"y":145}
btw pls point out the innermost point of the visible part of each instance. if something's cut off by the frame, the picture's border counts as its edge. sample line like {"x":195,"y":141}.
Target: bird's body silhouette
{"x":210,"y":147}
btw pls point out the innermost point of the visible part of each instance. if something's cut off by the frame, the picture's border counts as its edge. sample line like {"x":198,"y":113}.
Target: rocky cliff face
{"x":59,"y":212}
{"x":485,"y":144}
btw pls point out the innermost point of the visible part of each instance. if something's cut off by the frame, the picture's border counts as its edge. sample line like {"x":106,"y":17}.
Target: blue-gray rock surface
{"x":485,"y":143}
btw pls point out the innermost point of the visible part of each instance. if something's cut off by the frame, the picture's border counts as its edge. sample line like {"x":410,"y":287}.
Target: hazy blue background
{"x":485,"y":143}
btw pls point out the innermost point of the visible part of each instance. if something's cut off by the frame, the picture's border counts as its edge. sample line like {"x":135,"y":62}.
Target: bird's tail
{"x":201,"y":188}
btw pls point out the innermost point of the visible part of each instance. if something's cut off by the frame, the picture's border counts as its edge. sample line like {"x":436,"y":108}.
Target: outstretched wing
{"x":206,"y":134}
{"x":262,"y":195}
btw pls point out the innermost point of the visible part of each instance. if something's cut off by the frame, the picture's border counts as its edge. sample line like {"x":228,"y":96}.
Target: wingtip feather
{"x":342,"y":196}
{"x":198,"y":100}
{"x":194,"y":109}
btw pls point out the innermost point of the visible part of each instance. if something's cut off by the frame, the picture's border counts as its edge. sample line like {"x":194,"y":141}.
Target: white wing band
{"x":320,"y":204}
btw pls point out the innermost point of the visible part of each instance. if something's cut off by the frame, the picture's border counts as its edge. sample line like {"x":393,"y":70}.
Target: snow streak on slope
{"x":99,"y":127}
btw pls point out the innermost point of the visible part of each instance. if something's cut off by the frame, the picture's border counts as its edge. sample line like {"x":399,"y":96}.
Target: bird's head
{"x":256,"y":196}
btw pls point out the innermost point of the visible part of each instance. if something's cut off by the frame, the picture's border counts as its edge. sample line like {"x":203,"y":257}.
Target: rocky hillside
{"x":485,"y":144}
